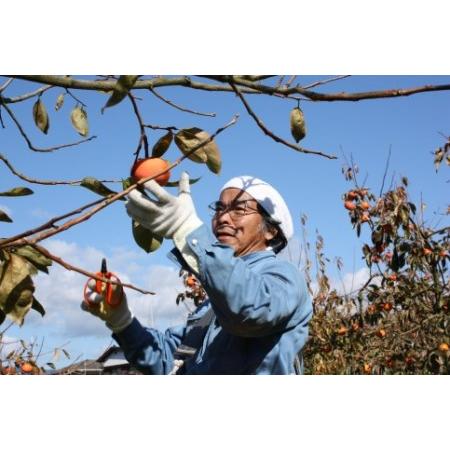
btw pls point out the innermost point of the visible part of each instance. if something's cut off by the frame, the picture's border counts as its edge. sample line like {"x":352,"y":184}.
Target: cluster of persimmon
{"x":355,"y":200}
{"x":21,"y":368}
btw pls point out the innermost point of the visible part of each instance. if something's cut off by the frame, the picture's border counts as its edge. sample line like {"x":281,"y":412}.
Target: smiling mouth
{"x":225,"y":234}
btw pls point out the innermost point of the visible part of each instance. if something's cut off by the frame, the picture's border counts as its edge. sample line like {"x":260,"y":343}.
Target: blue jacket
{"x":261,"y":307}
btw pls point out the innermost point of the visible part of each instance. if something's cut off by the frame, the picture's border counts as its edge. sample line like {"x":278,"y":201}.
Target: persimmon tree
{"x":23,"y":254}
{"x":398,"y":322}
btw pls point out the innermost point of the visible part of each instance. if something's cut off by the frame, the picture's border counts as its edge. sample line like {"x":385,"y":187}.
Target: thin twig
{"x":143,"y":135}
{"x":272,"y":135}
{"x":28,"y":141}
{"x":95,"y":276}
{"x":329,"y":80}
{"x":291,"y":80}
{"x":75,"y":98}
{"x":180,"y":107}
{"x":45,"y":182}
{"x":102,"y":203}
{"x":385,"y":171}
{"x":1,"y":118}
{"x":157,"y":127}
{"x":6,"y":84}
{"x":27,"y":96}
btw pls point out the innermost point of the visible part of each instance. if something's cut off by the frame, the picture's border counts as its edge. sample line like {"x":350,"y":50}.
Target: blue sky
{"x":310,"y":184}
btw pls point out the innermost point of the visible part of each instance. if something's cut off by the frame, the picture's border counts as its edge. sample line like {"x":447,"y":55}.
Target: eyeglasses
{"x":236,"y":210}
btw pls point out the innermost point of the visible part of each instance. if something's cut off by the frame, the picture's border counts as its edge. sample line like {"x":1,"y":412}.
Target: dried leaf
{"x":162,"y":145}
{"x":189,"y":138}
{"x":145,"y":238}
{"x":40,"y":261}
{"x":38,"y":307}
{"x":59,"y":102}
{"x":4,"y":217}
{"x":298,"y":126}
{"x":176,"y":183}
{"x":79,"y":120}
{"x":96,"y":186}
{"x":121,"y":90}
{"x":16,"y":287}
{"x":17,"y":192}
{"x":40,"y":116}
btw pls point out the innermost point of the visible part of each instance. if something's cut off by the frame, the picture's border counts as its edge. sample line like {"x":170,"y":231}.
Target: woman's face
{"x":240,"y":225}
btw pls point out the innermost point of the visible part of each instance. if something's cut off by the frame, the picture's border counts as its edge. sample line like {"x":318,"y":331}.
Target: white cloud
{"x":348,"y":283}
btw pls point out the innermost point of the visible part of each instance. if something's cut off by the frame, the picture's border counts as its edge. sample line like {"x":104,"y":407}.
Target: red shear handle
{"x":104,"y":288}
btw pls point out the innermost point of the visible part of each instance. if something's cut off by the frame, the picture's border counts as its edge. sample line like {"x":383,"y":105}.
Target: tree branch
{"x":28,"y":141}
{"x":143,"y":136}
{"x":341,"y":96}
{"x":329,"y":80}
{"x":272,"y":135}
{"x":100,"y":204}
{"x":180,"y":107}
{"x":24,"y":97}
{"x":71,"y":267}
{"x":107,"y":85}
{"x":45,"y":182}
{"x":6,"y":84}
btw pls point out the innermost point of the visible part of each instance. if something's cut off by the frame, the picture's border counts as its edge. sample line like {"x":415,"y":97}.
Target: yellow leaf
{"x":79,"y":120}
{"x":298,"y":126}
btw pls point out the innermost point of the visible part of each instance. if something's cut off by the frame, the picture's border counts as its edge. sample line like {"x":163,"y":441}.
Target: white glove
{"x":117,"y":318}
{"x":168,"y":216}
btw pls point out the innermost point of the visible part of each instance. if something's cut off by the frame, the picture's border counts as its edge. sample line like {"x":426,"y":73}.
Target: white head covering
{"x":268,"y":197}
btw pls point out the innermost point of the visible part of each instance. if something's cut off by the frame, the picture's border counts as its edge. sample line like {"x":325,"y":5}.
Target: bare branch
{"x":28,"y":141}
{"x":341,"y":96}
{"x":100,"y":204}
{"x":272,"y":135}
{"x":50,"y":224}
{"x":256,"y":77}
{"x":71,"y":267}
{"x":6,"y":84}
{"x":158,"y":127}
{"x":75,"y":98}
{"x":329,"y":80}
{"x":45,"y":182}
{"x":27,"y":96}
{"x":385,"y":171}
{"x":143,"y":136}
{"x":180,"y":107}
{"x":108,"y":85}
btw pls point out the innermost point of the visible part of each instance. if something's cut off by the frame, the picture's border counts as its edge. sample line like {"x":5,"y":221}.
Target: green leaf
{"x":96,"y":186}
{"x":40,"y":116}
{"x":51,"y":365}
{"x":17,"y":192}
{"x":78,"y":117}
{"x":145,"y":238}
{"x":40,"y":261}
{"x":127,"y":182}
{"x":297,"y":122}
{"x":38,"y":307}
{"x":162,"y":145}
{"x":4,"y":217}
{"x":121,"y":90}
{"x":176,"y":183}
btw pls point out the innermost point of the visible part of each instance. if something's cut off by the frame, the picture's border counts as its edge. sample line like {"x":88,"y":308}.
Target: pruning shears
{"x":104,"y":287}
